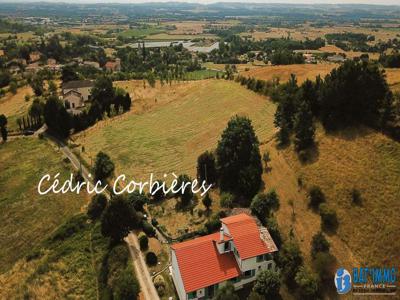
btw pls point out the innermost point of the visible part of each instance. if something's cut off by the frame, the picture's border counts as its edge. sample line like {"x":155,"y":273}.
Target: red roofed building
{"x":237,"y":253}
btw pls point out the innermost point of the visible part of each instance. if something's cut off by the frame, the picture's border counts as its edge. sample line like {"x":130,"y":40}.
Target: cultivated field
{"x":27,"y":218}
{"x":169,"y":138}
{"x":302,"y":71}
{"x":360,"y":159}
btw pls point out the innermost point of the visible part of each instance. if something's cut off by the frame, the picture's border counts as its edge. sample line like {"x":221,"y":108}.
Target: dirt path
{"x":142,"y":272}
{"x":305,"y":222}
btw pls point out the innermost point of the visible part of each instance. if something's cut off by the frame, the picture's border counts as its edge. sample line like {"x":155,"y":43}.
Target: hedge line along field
{"x":26,"y":217}
{"x":181,"y":122}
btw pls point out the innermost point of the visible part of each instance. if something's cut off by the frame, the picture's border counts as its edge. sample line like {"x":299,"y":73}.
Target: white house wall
{"x":177,"y":278}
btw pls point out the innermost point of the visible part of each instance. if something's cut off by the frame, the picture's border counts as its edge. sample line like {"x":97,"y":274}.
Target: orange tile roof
{"x":201,"y":265}
{"x":246,"y":236}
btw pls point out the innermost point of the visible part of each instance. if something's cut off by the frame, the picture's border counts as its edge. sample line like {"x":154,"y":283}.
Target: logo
{"x":342,"y":281}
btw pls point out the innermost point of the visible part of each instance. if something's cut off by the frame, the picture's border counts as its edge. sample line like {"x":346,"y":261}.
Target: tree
{"x":103,"y":93}
{"x":226,"y":292}
{"x":118,"y":219}
{"x":263,"y":204}
{"x":103,"y":167}
{"x":316,"y":197}
{"x":266,"y":159}
{"x":13,"y":87}
{"x":52,"y":88}
{"x":290,"y":260}
{"x":187,"y":194}
{"x":273,"y":229}
{"x":96,"y":206}
{"x":325,"y":265}
{"x":267,"y":284}
{"x":206,"y":168}
{"x":207,"y":201}
{"x":344,"y":92}
{"x":304,"y":129}
{"x":3,"y":127}
{"x":239,"y":158}
{"x":36,"y":110}
{"x":137,"y":200}
{"x":127,"y":102}
{"x":143,"y":242}
{"x":56,"y":117}
{"x":37,"y":85}
{"x":319,"y":244}
{"x":307,"y":283}
{"x":151,"y":258}
{"x":68,"y":73}
{"x":127,"y":287}
{"x":151,"y":79}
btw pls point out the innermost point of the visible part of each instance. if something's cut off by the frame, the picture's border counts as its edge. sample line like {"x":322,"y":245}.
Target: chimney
{"x":221,"y":234}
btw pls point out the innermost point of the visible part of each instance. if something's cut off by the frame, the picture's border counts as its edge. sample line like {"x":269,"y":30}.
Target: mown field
{"x":354,"y":159}
{"x":169,"y":138}
{"x":28,"y":218}
{"x":283,"y":72}
{"x":15,"y":106}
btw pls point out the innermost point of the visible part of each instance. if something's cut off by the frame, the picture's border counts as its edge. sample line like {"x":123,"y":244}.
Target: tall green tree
{"x":3,"y":127}
{"x":118,"y":219}
{"x":104,"y":167}
{"x":239,"y":159}
{"x":304,"y":129}
{"x":206,"y":168}
{"x":57,"y":119}
{"x":103,"y":93}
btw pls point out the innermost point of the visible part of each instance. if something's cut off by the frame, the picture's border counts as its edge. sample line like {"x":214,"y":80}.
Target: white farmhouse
{"x":236,"y":254}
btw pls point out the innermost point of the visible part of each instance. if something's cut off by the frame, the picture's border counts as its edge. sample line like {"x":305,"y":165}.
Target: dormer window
{"x":227,"y":247}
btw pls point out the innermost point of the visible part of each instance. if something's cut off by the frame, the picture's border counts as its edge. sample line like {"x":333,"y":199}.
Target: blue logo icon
{"x":342,"y":281}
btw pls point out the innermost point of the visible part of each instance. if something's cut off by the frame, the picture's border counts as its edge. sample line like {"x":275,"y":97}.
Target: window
{"x":192,"y":295}
{"x":260,"y":258}
{"x":227,"y":246}
{"x":234,"y":280}
{"x":249,"y":273}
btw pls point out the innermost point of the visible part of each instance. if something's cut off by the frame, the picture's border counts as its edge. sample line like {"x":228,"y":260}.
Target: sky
{"x":384,"y":2}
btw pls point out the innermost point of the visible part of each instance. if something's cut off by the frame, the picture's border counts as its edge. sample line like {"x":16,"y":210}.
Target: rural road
{"x":141,"y":270}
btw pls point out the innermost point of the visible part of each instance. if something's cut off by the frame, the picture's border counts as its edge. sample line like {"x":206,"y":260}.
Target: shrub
{"x":328,"y":217}
{"x":273,"y":230}
{"x":159,"y":284}
{"x":151,"y":258}
{"x":137,"y":200}
{"x":207,"y":201}
{"x":290,"y":260}
{"x":267,"y":284}
{"x":148,"y":229}
{"x":143,"y":242}
{"x":325,"y":265}
{"x":213,"y":225}
{"x":316,"y":197}
{"x":96,"y":206}
{"x":319,"y":244}
{"x":356,"y":197}
{"x":308,"y":283}
{"x":127,"y":286}
{"x":262,"y":204}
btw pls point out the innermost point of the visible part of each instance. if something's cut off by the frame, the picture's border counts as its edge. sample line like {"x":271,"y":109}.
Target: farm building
{"x":81,"y":86}
{"x":236,"y":254}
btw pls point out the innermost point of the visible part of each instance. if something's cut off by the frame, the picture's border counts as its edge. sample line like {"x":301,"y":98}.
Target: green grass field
{"x":169,"y":138}
{"x":26,"y":217}
{"x":64,"y":266}
{"x":140,"y":32}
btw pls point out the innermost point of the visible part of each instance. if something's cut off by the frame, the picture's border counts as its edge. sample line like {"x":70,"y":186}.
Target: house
{"x":34,"y":56}
{"x":309,"y":58}
{"x":113,"y":66}
{"x":81,"y":86}
{"x":336,"y":58}
{"x":51,"y":62}
{"x":93,"y":64}
{"x":236,"y":254}
{"x":73,"y":100}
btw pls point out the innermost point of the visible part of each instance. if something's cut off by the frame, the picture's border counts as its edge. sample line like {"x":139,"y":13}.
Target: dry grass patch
{"x":283,"y":72}
{"x":369,"y":162}
{"x":15,"y":106}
